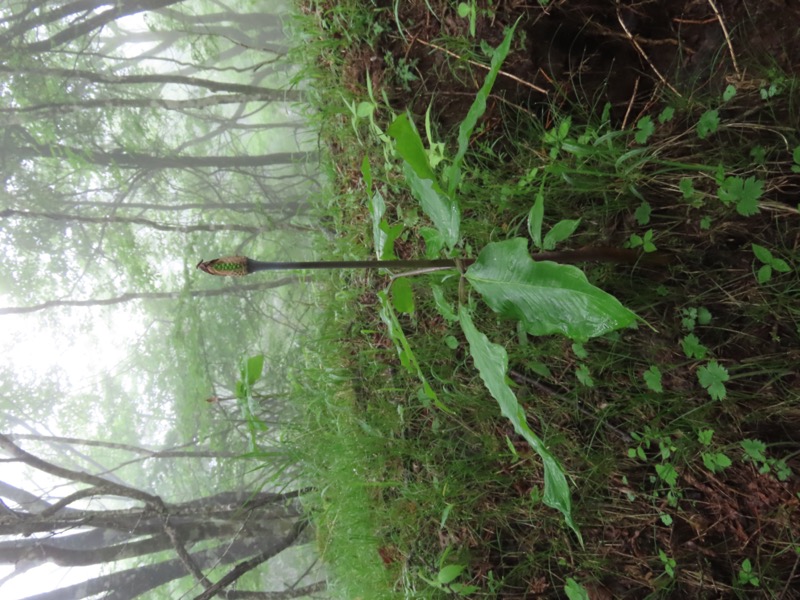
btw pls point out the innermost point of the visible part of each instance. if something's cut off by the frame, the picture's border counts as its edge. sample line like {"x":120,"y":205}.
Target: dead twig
{"x":727,"y":38}
{"x":643,"y":54}
{"x":484,"y":67}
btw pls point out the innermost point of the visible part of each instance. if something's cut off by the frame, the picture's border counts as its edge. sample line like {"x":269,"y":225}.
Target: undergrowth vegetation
{"x":524,"y":429}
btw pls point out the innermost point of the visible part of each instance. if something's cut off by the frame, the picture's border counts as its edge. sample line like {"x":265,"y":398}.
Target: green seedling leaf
{"x":712,"y":377}
{"x":729,"y":93}
{"x":704,"y":436}
{"x":403,"y":295}
{"x":252,"y":368}
{"x":692,"y":347}
{"x":442,"y":211}
{"x":667,"y":473}
{"x":580,"y":351}
{"x":547,"y":297}
{"x":652,"y":379}
{"x":703,"y":316}
{"x":705,"y":223}
{"x":465,"y":129}
{"x":583,"y":376}
{"x":491,"y":361}
{"x":758,"y":154}
{"x":535,"y":219}
{"x":449,"y":573}
{"x":687,"y":188}
{"x":575,"y":591}
{"x":744,"y":192}
{"x":560,"y":232}
{"x":666,"y":115}
{"x":463,"y":9}
{"x":764,"y":274}
{"x":642,"y":213}
{"x":716,"y":462}
{"x":645,"y":129}
{"x":780,"y":265}
{"x":708,"y":124}
{"x":409,"y":146}
{"x":755,"y":450}
{"x":762,"y":254}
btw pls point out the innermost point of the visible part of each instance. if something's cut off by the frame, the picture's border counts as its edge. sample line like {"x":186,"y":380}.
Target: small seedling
{"x":746,"y":576}
{"x":645,"y":241}
{"x":756,"y":452}
{"x":764,"y":273}
{"x":708,"y":124}
{"x":712,"y":376}
{"x":666,"y":115}
{"x":743,"y":192}
{"x":668,"y":562}
{"x":583,"y":375}
{"x":642,"y":213}
{"x":796,"y":160}
{"x":645,"y":129}
{"x":692,"y":347}
{"x":729,"y":93}
{"x":652,"y":378}
{"x":575,"y":591}
{"x":468,"y":10}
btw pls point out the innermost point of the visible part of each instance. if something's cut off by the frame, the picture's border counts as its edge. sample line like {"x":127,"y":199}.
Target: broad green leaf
{"x":645,"y":129}
{"x":535,"y":219}
{"x":403,"y":295}
{"x":652,"y":378}
{"x":762,"y":253}
{"x":442,"y":211}
{"x":492,"y":363}
{"x":449,"y":573}
{"x":547,"y":297}
{"x":434,"y":242}
{"x":708,"y":124}
{"x":713,"y":377}
{"x":575,"y":591}
{"x":389,"y":233}
{"x":409,"y":146}
{"x":560,"y":232}
{"x":780,"y":265}
{"x":475,"y":112}
{"x":251,"y":369}
{"x":643,"y":212}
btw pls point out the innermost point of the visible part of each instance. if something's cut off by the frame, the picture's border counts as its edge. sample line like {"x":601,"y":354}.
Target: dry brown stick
{"x":630,"y":103}
{"x":484,"y":67}
{"x":643,"y":54}
{"x":727,"y":38}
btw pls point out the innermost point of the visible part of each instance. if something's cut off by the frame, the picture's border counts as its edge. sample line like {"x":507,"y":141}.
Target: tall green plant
{"x":545,"y":297}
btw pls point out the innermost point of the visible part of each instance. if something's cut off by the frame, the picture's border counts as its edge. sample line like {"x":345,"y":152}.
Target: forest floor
{"x":669,"y":126}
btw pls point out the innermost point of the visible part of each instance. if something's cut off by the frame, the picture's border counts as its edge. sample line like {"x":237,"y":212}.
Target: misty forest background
{"x":137,"y":139}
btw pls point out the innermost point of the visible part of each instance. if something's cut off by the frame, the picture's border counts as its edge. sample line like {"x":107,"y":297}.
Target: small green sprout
{"x":645,"y":129}
{"x":652,"y":379}
{"x":645,"y":241}
{"x":708,"y":124}
{"x":712,"y":376}
{"x":746,"y":576}
{"x":764,"y":273}
{"x":745,"y":193}
{"x":692,"y":347}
